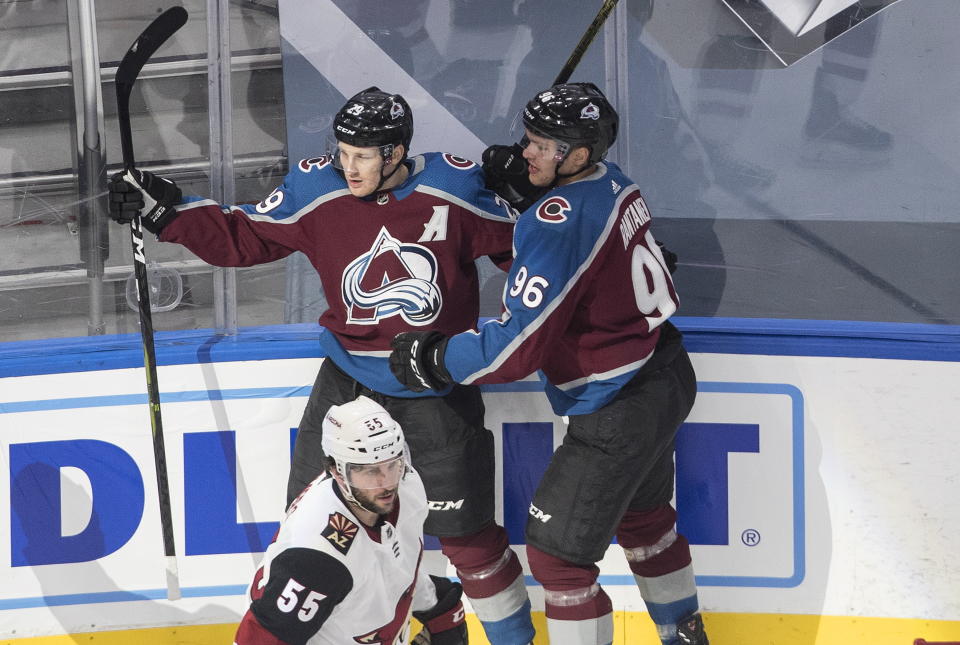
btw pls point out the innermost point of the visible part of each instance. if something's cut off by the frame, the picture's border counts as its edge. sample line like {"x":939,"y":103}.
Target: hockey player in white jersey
{"x":346,"y":564}
{"x":587,"y":304}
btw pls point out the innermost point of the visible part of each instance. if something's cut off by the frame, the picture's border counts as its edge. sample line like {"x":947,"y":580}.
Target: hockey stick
{"x":163,"y":26}
{"x":585,"y":41}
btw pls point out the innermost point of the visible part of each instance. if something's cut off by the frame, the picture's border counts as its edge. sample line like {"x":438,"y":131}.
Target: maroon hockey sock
{"x":484,"y":561}
{"x":653,"y":546}
{"x":571,"y":590}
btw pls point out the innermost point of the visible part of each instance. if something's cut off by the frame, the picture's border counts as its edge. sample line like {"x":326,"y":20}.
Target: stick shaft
{"x":585,"y":41}
{"x":133,"y":61}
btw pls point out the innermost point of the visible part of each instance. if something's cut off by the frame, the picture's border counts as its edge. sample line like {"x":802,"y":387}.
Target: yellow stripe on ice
{"x":631,"y":628}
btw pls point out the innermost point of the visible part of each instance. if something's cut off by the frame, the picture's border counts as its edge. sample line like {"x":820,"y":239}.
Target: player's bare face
{"x":362,"y":168}
{"x":541,"y":154}
{"x":382,"y":500}
{"x":547,"y":158}
{"x":375,"y":485}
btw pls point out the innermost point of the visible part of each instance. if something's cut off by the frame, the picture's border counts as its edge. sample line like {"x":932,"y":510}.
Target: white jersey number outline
{"x":289,"y":600}
{"x":658,"y":297}
{"x":270,"y":202}
{"x":532,"y":289}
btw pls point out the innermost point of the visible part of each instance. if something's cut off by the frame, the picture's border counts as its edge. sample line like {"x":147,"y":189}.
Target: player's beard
{"x":375,"y":501}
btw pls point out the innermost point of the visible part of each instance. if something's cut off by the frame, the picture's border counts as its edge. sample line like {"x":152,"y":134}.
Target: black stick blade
{"x":148,"y":42}
{"x":157,"y":33}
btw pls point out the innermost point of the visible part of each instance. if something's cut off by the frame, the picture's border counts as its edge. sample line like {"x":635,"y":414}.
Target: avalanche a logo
{"x":590,"y":111}
{"x":392,"y":279}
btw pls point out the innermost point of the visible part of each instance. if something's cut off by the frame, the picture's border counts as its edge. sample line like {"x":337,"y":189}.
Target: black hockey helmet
{"x":575,"y":114}
{"x":375,"y":118}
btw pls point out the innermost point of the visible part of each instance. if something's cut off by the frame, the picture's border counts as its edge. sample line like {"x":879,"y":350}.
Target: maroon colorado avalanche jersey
{"x":585,"y":295}
{"x":398,"y":261}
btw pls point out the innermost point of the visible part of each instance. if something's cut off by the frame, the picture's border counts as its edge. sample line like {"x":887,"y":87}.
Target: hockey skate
{"x":690,"y":631}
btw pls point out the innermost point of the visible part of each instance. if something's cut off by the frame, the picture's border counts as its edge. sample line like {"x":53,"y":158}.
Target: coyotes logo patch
{"x":340,"y":532}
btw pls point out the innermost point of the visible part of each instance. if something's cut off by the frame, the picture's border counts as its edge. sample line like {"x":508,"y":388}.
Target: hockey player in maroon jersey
{"x":587,"y":303}
{"x":394,"y":239}
{"x":345,"y":564}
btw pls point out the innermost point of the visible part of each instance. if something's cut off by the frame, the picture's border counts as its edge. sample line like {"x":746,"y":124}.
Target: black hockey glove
{"x":417,"y":360}
{"x":444,"y":622}
{"x":505,"y":173}
{"x":138,"y":191}
{"x":668,"y":256}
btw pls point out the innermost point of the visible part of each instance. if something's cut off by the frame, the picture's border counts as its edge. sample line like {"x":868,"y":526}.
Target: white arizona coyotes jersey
{"x":328,"y":579}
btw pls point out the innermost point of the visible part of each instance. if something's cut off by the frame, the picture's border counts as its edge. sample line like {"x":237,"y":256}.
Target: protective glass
{"x":386,"y":474}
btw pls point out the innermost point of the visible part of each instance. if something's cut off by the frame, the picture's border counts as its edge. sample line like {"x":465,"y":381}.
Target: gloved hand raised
{"x":505,"y":173}
{"x":417,"y":360}
{"x":138,"y":191}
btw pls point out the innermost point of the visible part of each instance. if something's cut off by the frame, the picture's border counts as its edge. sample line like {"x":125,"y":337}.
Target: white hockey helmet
{"x":360,"y":432}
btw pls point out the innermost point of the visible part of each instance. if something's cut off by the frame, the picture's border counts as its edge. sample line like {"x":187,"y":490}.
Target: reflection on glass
{"x":666,"y":157}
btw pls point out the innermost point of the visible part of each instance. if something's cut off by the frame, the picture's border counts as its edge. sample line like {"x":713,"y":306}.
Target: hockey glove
{"x":417,"y":360}
{"x":444,"y":622}
{"x":669,"y":257}
{"x":505,"y":172}
{"x":138,"y":191}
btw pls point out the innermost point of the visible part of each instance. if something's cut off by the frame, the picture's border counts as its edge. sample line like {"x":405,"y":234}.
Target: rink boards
{"x":815,"y":483}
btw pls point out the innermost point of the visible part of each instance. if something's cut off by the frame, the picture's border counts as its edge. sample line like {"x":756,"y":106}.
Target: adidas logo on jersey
{"x":616,"y":187}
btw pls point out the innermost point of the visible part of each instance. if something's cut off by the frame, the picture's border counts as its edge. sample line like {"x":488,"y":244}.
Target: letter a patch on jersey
{"x":436,"y":229}
{"x":340,"y":531}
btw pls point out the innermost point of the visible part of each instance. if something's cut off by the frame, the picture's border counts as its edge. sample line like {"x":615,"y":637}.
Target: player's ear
{"x":398,"y":152}
{"x":581,"y":155}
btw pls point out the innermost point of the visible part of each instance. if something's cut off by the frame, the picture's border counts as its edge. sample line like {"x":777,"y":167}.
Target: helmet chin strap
{"x":384,"y":178}
{"x":557,"y":175}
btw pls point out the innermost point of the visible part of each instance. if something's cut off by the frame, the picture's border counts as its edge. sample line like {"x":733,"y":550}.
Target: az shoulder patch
{"x":340,"y":532}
